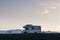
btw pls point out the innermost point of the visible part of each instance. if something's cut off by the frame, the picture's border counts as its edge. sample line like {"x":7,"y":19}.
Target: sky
{"x":14,"y":14}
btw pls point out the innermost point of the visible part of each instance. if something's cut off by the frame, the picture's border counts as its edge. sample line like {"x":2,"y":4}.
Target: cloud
{"x":50,"y":4}
{"x":45,"y":11}
{"x":53,"y":7}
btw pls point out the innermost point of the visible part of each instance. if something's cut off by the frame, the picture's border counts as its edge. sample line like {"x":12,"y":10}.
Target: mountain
{"x":49,"y":32}
{"x":17,"y":31}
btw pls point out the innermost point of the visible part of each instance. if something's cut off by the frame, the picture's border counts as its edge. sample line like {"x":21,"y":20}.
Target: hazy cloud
{"x":53,"y":7}
{"x":48,"y":6}
{"x":45,"y":11}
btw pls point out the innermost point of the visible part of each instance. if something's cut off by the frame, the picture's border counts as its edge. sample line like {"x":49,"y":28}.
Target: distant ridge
{"x":16,"y":31}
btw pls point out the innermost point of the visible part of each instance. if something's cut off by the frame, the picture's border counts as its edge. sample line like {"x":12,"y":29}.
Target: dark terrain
{"x":52,"y":36}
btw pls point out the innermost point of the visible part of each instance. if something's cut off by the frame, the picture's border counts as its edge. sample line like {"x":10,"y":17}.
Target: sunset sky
{"x":14,"y":14}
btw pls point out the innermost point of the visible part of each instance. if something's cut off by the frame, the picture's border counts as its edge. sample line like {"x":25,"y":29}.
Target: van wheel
{"x":25,"y":32}
{"x":35,"y":32}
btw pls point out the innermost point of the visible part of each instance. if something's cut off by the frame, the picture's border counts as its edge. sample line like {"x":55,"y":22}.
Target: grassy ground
{"x":55,"y":36}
